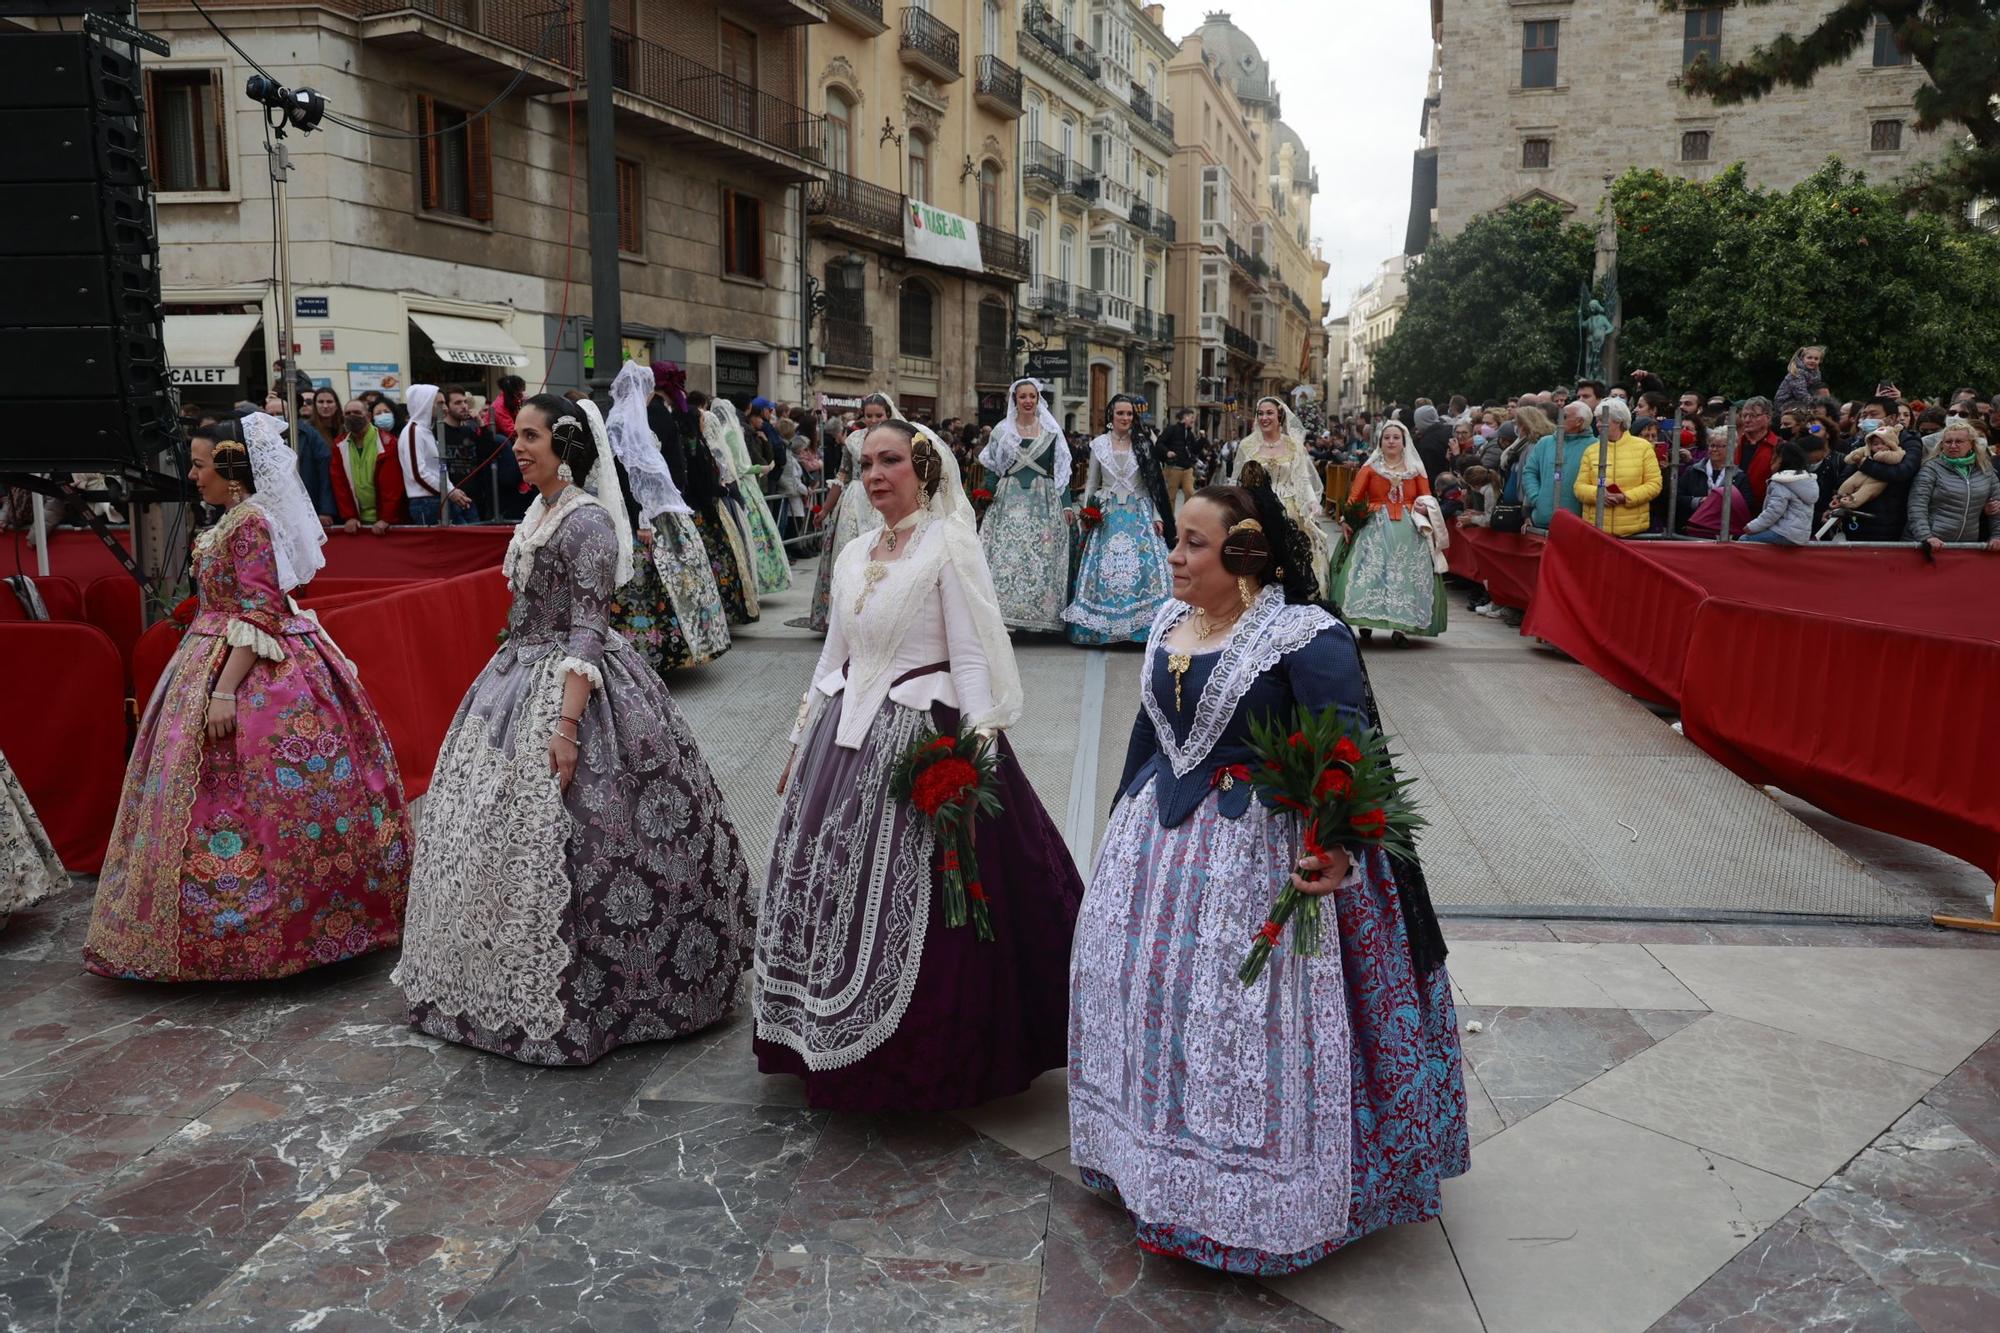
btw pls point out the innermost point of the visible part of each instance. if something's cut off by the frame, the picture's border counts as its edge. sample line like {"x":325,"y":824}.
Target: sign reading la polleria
{"x":937,"y":237}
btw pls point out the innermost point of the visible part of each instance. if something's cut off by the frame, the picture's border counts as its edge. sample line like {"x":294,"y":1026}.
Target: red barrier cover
{"x":1905,"y":746}
{"x":400,"y":553}
{"x":1625,"y":617}
{"x":63,"y":731}
{"x":1508,"y":563}
{"x":418,"y":650}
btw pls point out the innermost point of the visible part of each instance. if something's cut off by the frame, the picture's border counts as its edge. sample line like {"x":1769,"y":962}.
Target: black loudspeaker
{"x":80,"y":326}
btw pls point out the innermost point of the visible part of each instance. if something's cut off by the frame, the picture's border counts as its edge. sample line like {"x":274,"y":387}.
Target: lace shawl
{"x":1266,"y":632}
{"x":1119,"y":472}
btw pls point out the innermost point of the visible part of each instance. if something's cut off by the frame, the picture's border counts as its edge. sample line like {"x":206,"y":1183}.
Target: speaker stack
{"x":83,"y":368}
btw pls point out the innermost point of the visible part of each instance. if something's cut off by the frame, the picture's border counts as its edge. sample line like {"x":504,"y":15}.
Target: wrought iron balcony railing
{"x":1142,"y":215}
{"x":848,"y":343}
{"x":842,"y":198}
{"x":1163,"y":225}
{"x":1057,"y":297}
{"x":1082,"y":183}
{"x":1003,"y":251}
{"x":999,"y":83}
{"x":993,"y":365}
{"x":929,"y":37}
{"x":1044,"y":164}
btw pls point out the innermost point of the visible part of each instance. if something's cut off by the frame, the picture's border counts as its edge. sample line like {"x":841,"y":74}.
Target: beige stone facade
{"x":1245,"y":280}
{"x":1371,"y":317}
{"x":445,"y":258}
{"x":921,"y":101}
{"x":1612,"y":99}
{"x":1096,"y":142}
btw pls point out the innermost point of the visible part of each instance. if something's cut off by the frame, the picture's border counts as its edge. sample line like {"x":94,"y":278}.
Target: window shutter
{"x":479,"y":167}
{"x":429,"y":153}
{"x":729,"y":264}
{"x":757,"y":237}
{"x":630,"y":208}
{"x":221,"y":113}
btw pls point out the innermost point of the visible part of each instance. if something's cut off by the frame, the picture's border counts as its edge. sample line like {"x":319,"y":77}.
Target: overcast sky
{"x":1351,"y":75}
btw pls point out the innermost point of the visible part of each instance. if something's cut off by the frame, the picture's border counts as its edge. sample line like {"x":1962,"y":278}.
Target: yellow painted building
{"x":921,"y":100}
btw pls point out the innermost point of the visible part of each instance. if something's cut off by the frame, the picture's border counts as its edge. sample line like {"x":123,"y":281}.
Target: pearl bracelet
{"x":224,"y":698}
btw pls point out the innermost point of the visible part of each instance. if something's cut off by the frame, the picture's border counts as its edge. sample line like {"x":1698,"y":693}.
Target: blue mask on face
{"x":385,"y":421}
{"x":1869,"y":425}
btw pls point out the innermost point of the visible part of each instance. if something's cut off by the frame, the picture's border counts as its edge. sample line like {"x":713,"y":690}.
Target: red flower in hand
{"x":942,"y":784}
{"x":1334,"y":782}
{"x":1297,"y":740}
{"x":976,"y":891}
{"x":1346,"y":751}
{"x":184,"y":613}
{"x":981,"y":495}
{"x":1370,"y":823}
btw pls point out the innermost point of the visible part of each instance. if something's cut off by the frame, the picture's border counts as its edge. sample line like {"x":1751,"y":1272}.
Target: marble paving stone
{"x":1526,"y":1058}
{"x":1578,"y":976}
{"x":401,"y":1242}
{"x":660,"y":1227}
{"x":1034,"y":1123}
{"x":46,"y":1018}
{"x":1457,"y":928}
{"x":806,"y":1293}
{"x":1482,"y":1117}
{"x":1919,"y":1211}
{"x":175,"y":1072}
{"x":1792,"y":1278}
{"x":109,"y":1281}
{"x":725,"y":1070}
{"x":1574,"y":1222}
{"x":53,"y":929}
{"x":540,"y":1120}
{"x":1059,"y":1162}
{"x":1396,"y":1280}
{"x":1094,"y":1277}
{"x":1970,"y":1096}
{"x":23,"y":979}
{"x":1925,"y":1007}
{"x":616,"y":1077}
{"x":1790,"y":1106}
{"x":1660,"y":1024}
{"x":362,"y":1056}
{"x":916,"y":1187}
{"x":49,"y":1158}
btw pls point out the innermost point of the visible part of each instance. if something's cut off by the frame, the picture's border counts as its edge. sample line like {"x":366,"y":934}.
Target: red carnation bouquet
{"x":1342,"y":784}
{"x":1091,"y":515}
{"x":952,"y":780}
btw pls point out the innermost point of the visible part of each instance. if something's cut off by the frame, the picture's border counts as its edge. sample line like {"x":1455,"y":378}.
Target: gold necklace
{"x":1205,"y":629}
{"x":1179,"y":664}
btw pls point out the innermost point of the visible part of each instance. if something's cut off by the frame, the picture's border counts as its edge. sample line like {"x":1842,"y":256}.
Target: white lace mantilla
{"x":1264,"y":633}
{"x":536,"y":528}
{"x":1118,"y":468}
{"x":481,"y":936}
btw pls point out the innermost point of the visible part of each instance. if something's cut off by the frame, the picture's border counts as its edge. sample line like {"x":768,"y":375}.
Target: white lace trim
{"x":1265,"y":633}
{"x":584,"y":669}
{"x":243,"y":634}
{"x":535,"y":530}
{"x":818,"y":899}
{"x":490,"y":884}
{"x":1119,"y":471}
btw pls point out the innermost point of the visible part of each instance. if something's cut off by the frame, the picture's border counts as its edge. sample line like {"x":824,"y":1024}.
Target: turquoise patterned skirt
{"x":1123,"y":578}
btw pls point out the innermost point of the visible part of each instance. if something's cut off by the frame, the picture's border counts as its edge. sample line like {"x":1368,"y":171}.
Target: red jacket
{"x":388,"y":481}
{"x":1757,"y":458}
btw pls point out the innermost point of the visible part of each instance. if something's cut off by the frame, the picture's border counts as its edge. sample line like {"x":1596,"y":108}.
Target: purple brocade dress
{"x":552,"y":926}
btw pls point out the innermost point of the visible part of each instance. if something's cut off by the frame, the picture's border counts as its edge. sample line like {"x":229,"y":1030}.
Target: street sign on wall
{"x":1049,"y":365}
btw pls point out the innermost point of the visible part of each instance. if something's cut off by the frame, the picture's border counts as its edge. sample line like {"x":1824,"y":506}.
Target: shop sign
{"x":197,"y":376}
{"x":1049,"y":365}
{"x":383,"y":377}
{"x":937,"y":237}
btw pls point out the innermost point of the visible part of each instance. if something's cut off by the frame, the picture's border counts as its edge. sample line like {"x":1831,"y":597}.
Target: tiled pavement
{"x":1677,"y":1127}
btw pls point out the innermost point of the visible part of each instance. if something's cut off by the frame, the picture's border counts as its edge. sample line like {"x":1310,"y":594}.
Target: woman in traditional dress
{"x":1278,"y":446}
{"x":1123,"y":577}
{"x":261,"y":830}
{"x":1253,"y":1128}
{"x":1387,"y":579}
{"x":691,"y":463}
{"x":1026,"y":528}
{"x":771,"y":566}
{"x":578,"y":884}
{"x":843,"y":511}
{"x":861,"y":989}
{"x":686,"y":612}
{"x":30,"y":870}
{"x":734,"y":527}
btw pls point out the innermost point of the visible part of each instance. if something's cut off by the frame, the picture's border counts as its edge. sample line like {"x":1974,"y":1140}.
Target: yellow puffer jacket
{"x":1636,"y":470}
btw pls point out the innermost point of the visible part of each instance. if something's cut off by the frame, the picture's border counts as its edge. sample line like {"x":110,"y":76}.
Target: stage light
{"x":304,"y":109}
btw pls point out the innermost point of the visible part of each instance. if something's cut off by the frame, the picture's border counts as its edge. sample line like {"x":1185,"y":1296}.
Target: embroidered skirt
{"x":1253,"y":1129}
{"x":1123,"y":578}
{"x":862,"y":990}
{"x":1386,"y":580}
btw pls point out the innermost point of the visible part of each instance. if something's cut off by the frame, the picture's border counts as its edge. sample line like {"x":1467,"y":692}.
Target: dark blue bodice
{"x":1326,"y":670}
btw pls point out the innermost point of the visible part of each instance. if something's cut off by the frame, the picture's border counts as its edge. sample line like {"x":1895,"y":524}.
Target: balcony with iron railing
{"x":1142,"y":325}
{"x":1239,"y":342}
{"x":1083,"y":183}
{"x":1044,"y":168}
{"x":1045,"y":30}
{"x":1142,"y":103}
{"x":1142,"y":215}
{"x":840,"y":203}
{"x":1084,"y":59}
{"x":1006,"y":254}
{"x":659,"y":77}
{"x":1163,"y":119}
{"x":1057,"y":297}
{"x":997,"y":86}
{"x":482,"y":39}
{"x":1087,"y":304}
{"x":848,"y":343}
{"x":930,"y":44}
{"x":1163,"y":225}
{"x":1166,"y":329}
{"x":864,"y":16}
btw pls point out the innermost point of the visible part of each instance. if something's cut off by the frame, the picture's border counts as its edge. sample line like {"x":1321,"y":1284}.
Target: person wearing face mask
{"x":367,"y":482}
{"x":1875,"y":486}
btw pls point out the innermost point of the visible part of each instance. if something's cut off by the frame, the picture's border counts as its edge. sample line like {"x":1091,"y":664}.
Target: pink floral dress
{"x":285,"y":846}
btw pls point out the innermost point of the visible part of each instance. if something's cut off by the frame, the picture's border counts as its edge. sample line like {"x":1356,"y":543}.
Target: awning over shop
{"x":470,"y":342}
{"x":202,"y":349}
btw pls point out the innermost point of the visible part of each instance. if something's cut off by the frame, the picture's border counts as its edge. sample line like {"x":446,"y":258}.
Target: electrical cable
{"x":561,"y":16}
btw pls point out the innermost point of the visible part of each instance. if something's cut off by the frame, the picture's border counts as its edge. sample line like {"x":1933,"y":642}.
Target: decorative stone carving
{"x":839,"y":70}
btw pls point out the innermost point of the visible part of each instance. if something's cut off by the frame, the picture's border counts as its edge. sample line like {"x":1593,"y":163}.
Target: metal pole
{"x":607,"y":320}
{"x":1603,"y":471}
{"x":281,"y":167}
{"x":41,"y":538}
{"x":1729,"y":476}
{"x":1674,"y":476}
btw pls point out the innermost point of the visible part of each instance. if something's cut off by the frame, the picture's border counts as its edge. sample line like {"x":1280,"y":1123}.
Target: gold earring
{"x":1245,"y":590}
{"x":236,"y":492}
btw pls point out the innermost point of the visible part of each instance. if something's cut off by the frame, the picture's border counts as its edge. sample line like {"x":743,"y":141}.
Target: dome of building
{"x":1238,"y":61}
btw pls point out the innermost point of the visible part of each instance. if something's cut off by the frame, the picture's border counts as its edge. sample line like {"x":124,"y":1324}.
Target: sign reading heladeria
{"x":937,"y":237}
